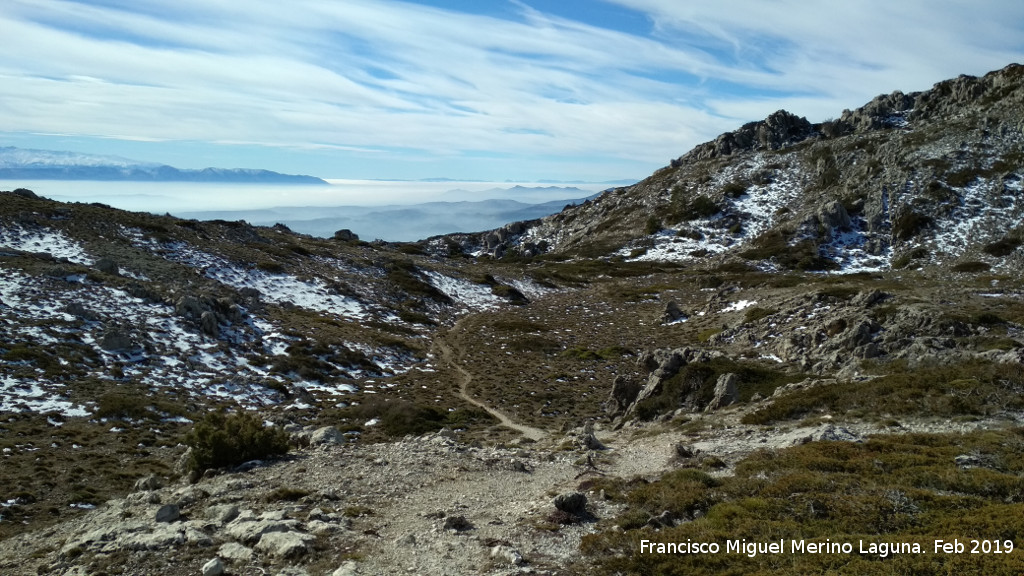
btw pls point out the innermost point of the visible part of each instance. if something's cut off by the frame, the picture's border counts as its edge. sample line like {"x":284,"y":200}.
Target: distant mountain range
{"x":29,"y":164}
{"x":418,"y":220}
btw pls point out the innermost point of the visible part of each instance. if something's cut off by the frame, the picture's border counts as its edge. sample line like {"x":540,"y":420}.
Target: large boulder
{"x":116,"y":339}
{"x":285,"y":544}
{"x":326,"y":436}
{"x":833,"y":217}
{"x":346,"y":235}
{"x":168,"y":513}
{"x":726,"y":392}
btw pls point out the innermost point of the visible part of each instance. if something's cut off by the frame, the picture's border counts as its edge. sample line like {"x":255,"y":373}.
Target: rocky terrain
{"x":795,"y":330}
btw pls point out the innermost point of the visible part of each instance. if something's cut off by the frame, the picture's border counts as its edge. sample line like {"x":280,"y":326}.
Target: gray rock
{"x":572,"y":502}
{"x":149,"y":483}
{"x":222,"y":514}
{"x":190,"y":306}
{"x":833,"y":433}
{"x":869,"y":298}
{"x":588,"y":441}
{"x":213,"y":568}
{"x":345,"y":235}
{"x":78,"y":310}
{"x":235,"y":552}
{"x":325,"y":436}
{"x":726,"y":392}
{"x":832,"y":216}
{"x":208,"y":324}
{"x":197,"y":537}
{"x":285,"y":544}
{"x":507,"y":555}
{"x":624,"y":392}
{"x":107,"y":266}
{"x":162,"y":538}
{"x":349,"y":568}
{"x":249,"y":531}
{"x":116,"y":339}
{"x":168,"y":513}
{"x":672,"y":313}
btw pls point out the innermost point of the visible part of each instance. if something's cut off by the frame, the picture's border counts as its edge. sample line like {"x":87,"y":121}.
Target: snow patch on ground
{"x":737,"y":306}
{"x":23,"y":395}
{"x":470,"y":294}
{"x":756,"y":208}
{"x":847,"y":249}
{"x":53,"y":242}
{"x":988,"y":208}
{"x":278,"y":288}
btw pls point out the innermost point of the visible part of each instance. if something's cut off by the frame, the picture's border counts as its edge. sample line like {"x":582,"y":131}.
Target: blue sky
{"x":491,"y":90}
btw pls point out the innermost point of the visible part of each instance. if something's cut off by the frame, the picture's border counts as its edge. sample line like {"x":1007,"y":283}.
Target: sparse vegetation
{"x":904,"y":488}
{"x":222,"y":440}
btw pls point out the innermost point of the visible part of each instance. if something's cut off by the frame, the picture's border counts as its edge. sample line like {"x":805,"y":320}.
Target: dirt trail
{"x":465,"y":377}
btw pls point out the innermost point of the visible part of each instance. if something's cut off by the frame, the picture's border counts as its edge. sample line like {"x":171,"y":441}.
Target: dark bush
{"x":972,"y":267}
{"x":509,"y":293}
{"x":734,"y":189}
{"x":220,"y":440}
{"x":1003,"y":247}
{"x":908,"y":224}
{"x":653,"y":225}
{"x":402,"y":275}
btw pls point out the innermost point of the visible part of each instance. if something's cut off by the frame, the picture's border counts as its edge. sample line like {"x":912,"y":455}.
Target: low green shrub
{"x":397,"y":418}
{"x":221,"y":440}
{"x":909,"y":224}
{"x":970,"y":388}
{"x":972,"y":267}
{"x":1003,"y":247}
{"x":895,"y":488}
{"x":756,"y":313}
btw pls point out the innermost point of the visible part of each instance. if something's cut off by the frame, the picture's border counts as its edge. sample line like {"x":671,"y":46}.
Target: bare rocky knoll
{"x":796,"y":330}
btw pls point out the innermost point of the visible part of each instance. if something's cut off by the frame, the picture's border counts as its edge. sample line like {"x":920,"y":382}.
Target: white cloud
{"x":369,"y":75}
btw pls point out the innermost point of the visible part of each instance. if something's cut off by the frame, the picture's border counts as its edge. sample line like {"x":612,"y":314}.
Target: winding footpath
{"x":465,"y":377}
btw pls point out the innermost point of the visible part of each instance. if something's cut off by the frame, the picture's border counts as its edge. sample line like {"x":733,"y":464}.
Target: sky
{"x":525,"y":90}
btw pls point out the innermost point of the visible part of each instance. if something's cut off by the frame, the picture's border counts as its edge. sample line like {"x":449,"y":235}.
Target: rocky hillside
{"x":923,"y":179}
{"x":794,"y":331}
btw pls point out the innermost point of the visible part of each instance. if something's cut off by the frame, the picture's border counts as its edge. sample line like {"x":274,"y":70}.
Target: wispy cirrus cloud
{"x":419,"y":84}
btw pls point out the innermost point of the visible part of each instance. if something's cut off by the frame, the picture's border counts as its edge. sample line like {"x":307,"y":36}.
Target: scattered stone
{"x":235,"y":552}
{"x":832,"y":433}
{"x":347,"y":569}
{"x":726,"y":392}
{"x":685,"y":451}
{"x":213,"y":568}
{"x":672,"y":313}
{"x":664,"y":520}
{"x":285,"y":544}
{"x":107,"y":266}
{"x":249,"y":530}
{"x":197,"y":537}
{"x":965,"y":461}
{"x":508,"y":555}
{"x":345,"y":235}
{"x":325,"y":436}
{"x":149,"y":483}
{"x":222,"y":513}
{"x":168,"y":513}
{"x":572,"y":502}
{"x":78,"y":310}
{"x":208,"y":324}
{"x":116,"y":339}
